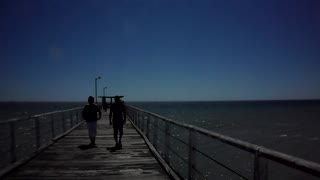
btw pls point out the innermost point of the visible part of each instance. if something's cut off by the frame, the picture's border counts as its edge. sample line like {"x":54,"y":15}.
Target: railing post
{"x":260,"y":167}
{"x":52,"y":125}
{"x":37,"y":128}
{"x":148,"y":124}
{"x":191,"y":155}
{"x":13,"y":141}
{"x":138,"y":121}
{"x":71,"y":116}
{"x":155,"y":132}
{"x":130,"y":113}
{"x":142,"y":122}
{"x":63,"y":123}
{"x":77,"y":117}
{"x":167,"y":142}
{"x":136,"y":118}
{"x":256,"y":172}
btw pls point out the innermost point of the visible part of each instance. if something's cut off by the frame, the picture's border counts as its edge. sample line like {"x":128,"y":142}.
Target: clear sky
{"x":150,"y":50}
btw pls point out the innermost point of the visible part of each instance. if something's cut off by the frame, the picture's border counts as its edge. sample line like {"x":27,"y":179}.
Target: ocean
{"x":291,"y":127}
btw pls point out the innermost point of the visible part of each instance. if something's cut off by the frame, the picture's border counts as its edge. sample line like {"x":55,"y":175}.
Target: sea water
{"x":288,"y":126}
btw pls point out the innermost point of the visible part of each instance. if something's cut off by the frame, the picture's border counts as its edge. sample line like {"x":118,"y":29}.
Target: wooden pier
{"x":154,"y":147}
{"x":64,"y":160}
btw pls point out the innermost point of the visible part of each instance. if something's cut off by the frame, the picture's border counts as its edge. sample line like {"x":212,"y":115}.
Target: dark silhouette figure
{"x":89,"y":114}
{"x":117,"y":117}
{"x":104,"y":104}
{"x":105,"y":107}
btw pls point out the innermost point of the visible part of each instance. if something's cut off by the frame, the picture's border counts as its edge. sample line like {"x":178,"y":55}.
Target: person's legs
{"x":92,"y":131}
{"x":115,"y":133}
{"x":121,"y":133}
{"x":89,"y":130}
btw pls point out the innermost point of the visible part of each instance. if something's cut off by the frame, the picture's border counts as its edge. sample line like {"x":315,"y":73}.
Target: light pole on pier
{"x":104,"y":93}
{"x":95,"y":80}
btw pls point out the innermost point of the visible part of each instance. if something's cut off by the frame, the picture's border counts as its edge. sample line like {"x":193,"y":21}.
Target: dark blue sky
{"x":160,"y":49}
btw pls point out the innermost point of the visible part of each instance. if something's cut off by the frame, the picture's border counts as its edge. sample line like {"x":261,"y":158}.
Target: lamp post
{"x":95,"y":80}
{"x":104,"y":94}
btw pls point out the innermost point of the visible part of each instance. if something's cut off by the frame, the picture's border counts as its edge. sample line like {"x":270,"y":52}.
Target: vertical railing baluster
{"x":80,"y":116}
{"x":142,"y":122}
{"x":167,"y":142}
{"x":256,"y":166}
{"x":13,"y":141}
{"x":155,"y":132}
{"x":77,"y":117}
{"x":148,"y":124}
{"x":260,"y":171}
{"x":191,"y":155}
{"x":138,"y":120}
{"x":71,"y":117}
{"x":37,"y":133}
{"x":52,"y":126}
{"x":63,"y":123}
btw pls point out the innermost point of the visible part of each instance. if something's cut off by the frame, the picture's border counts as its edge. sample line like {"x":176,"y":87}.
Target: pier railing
{"x":197,"y":153}
{"x":21,"y":137}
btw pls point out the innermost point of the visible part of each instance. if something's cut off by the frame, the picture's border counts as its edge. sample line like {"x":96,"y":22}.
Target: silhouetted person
{"x":89,"y":114}
{"x":104,"y":104}
{"x":117,"y":117}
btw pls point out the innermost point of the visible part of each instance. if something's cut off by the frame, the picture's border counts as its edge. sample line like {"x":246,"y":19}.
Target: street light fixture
{"x":95,"y":80}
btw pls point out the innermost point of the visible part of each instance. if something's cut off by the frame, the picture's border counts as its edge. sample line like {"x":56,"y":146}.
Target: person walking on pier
{"x":89,"y":114}
{"x":117,"y":117}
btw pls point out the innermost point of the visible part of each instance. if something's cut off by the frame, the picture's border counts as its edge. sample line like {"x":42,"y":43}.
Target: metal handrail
{"x":259,"y":151}
{"x":37,"y":115}
{"x":70,"y":117}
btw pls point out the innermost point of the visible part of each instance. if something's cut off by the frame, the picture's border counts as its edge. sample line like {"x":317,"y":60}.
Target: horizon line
{"x":41,"y":101}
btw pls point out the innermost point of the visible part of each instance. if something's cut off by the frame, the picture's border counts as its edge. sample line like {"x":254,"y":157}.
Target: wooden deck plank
{"x":64,"y":160}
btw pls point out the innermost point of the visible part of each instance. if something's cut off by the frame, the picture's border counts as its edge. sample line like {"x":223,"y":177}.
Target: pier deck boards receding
{"x":64,"y":160}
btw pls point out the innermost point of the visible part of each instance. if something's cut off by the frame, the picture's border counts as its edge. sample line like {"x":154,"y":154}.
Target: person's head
{"x":90,"y":100}
{"x":117,"y":99}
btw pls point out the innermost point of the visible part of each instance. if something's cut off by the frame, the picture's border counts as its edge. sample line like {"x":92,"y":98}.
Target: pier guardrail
{"x":197,"y":153}
{"x":20,"y":137}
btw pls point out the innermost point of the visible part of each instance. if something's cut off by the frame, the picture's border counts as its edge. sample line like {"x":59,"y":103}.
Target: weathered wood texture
{"x":64,"y":160}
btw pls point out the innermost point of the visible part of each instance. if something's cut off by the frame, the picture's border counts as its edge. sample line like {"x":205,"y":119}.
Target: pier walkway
{"x":154,"y":147}
{"x":64,"y":160}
